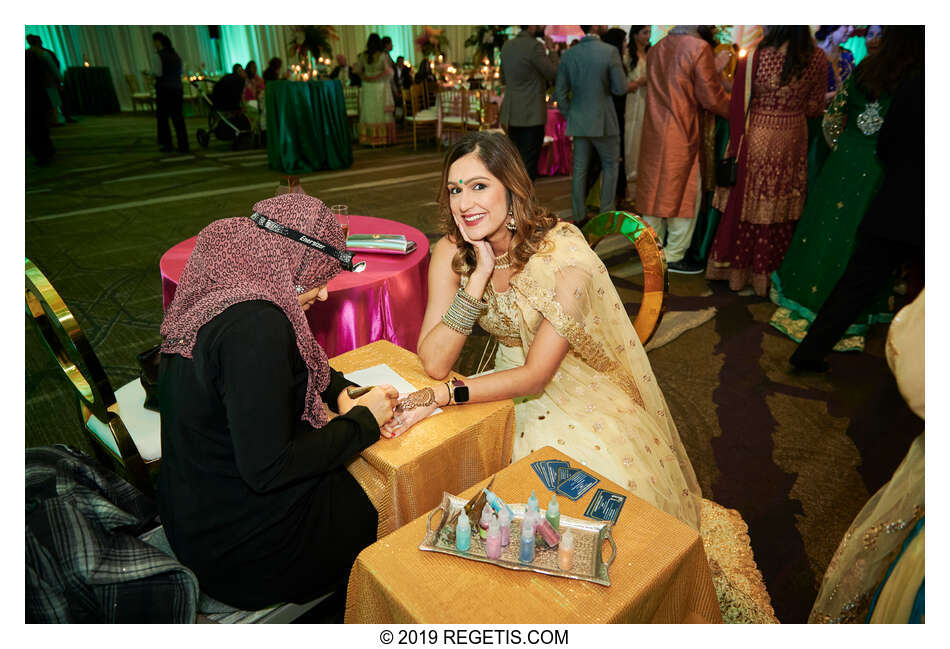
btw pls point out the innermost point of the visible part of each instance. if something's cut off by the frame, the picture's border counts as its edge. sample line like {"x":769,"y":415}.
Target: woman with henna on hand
{"x":253,"y":490}
{"x":566,"y":343}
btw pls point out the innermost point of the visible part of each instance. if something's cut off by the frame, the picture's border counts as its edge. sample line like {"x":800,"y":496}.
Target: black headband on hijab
{"x":345,"y":258}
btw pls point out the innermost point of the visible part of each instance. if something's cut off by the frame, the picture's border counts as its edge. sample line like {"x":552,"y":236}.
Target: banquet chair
{"x":474,"y":116}
{"x":430,"y":91}
{"x":418,"y":115}
{"x":139,"y":98}
{"x":452,"y":111}
{"x":491,"y":113}
{"x":121,"y":430}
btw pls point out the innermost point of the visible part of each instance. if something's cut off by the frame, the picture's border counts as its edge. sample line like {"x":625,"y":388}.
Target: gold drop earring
{"x":510,"y":224}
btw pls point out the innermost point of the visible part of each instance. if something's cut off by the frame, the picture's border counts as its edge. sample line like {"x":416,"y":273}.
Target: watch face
{"x":461,"y":394}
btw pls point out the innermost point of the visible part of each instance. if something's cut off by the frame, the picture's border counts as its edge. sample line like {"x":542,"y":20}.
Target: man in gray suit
{"x":588,"y":75}
{"x":526,"y":71}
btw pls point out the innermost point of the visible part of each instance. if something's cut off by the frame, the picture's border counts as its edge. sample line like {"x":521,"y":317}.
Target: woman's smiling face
{"x":477,"y":199}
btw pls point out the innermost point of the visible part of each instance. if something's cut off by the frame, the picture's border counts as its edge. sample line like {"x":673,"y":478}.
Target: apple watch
{"x":459,"y":391}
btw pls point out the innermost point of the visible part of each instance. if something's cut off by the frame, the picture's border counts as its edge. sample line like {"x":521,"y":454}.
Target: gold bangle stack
{"x":463,"y":312}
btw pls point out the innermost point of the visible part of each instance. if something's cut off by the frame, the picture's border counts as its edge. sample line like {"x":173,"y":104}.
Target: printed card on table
{"x":541,"y":471}
{"x":564,"y":473}
{"x":551,"y":468}
{"x":605,"y":506}
{"x":577,"y":484}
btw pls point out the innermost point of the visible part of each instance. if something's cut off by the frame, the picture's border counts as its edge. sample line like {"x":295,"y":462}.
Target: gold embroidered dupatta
{"x":605,"y":382}
{"x":878,"y":532}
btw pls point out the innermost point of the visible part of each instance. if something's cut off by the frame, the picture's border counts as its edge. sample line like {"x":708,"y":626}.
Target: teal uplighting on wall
{"x":402,"y":39}
{"x":237,"y":46}
{"x":51,"y":41}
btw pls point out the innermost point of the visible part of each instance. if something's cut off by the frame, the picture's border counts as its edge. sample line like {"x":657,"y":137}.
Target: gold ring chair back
{"x":70,"y":348}
{"x":655,"y":280}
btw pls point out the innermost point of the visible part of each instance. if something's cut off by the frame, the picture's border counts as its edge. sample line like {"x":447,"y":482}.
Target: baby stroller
{"x":226,"y":117}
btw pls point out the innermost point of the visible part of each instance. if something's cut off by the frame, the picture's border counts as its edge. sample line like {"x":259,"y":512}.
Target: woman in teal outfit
{"x":824,"y":239}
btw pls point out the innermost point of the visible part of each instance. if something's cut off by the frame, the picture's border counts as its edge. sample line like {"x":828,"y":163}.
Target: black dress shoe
{"x":165,"y":149}
{"x":685,"y":267}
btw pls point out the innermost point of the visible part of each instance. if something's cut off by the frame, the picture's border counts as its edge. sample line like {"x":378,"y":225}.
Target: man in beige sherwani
{"x":681,"y":79}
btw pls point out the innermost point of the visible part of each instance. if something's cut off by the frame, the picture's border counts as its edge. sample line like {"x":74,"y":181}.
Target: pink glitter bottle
{"x":493,"y":540}
{"x":504,"y":522}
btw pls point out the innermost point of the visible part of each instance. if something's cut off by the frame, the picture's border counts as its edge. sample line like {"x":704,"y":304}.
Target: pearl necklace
{"x":503,"y":261}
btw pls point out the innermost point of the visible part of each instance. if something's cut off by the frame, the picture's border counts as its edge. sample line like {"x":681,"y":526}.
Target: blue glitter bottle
{"x":463,"y":533}
{"x":526,"y":553}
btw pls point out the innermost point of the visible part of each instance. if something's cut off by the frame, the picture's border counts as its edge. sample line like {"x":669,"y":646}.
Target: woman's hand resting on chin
{"x":484,"y":255}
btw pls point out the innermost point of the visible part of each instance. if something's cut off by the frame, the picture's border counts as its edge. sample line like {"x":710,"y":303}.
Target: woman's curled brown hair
{"x":503,"y":161}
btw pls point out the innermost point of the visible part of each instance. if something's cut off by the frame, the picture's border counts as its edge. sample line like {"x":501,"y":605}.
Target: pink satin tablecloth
{"x":384,"y":302}
{"x":555,"y":158}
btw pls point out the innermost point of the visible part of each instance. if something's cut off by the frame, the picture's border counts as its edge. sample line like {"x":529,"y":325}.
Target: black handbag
{"x":727,"y":169}
{"x":148,"y":375}
{"x":727,"y":172}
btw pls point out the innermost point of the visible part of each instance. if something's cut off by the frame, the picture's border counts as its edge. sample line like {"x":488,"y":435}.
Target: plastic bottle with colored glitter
{"x":463,"y":533}
{"x":533,"y":502}
{"x":553,"y":513}
{"x":526,"y":553}
{"x":504,"y":524}
{"x":547,"y":533}
{"x":493,"y":540}
{"x":488,"y":515}
{"x":565,"y":551}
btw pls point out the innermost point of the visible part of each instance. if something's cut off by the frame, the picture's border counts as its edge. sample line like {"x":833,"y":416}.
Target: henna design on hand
{"x":419,"y":399}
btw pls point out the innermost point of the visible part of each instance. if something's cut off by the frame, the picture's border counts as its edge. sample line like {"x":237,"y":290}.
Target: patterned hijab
{"x":234,"y":261}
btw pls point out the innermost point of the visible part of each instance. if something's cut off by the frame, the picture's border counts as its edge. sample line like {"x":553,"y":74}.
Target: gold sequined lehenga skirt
{"x":739,"y":585}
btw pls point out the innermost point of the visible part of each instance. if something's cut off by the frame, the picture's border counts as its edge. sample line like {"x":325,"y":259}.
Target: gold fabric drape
{"x":660,"y":573}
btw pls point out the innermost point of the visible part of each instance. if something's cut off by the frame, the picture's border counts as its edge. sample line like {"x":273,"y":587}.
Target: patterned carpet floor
{"x":796,"y":455}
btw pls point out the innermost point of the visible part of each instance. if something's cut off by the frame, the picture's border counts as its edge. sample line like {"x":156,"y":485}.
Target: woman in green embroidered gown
{"x":824,"y":239}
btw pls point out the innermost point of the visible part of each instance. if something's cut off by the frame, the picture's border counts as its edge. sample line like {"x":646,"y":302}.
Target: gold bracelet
{"x":461,"y":317}
{"x":455,"y":327}
{"x":481,"y":305}
{"x":465,"y":308}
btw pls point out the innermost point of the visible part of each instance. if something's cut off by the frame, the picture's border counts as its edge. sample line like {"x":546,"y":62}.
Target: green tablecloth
{"x":89,"y":91}
{"x":307,"y":128}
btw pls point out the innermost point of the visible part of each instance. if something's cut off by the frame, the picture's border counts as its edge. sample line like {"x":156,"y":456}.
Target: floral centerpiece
{"x":486,"y":39}
{"x":432,"y":42}
{"x":311,"y":40}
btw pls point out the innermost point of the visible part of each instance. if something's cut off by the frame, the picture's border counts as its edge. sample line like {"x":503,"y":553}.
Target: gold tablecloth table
{"x":660,"y":573}
{"x":450,"y":451}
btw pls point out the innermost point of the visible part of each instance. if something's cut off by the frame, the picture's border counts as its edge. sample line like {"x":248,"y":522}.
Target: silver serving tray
{"x":589,"y":537}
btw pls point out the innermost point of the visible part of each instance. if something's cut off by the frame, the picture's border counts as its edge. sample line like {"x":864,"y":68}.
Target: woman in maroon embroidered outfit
{"x":761,"y":210}
{"x":252,"y":490}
